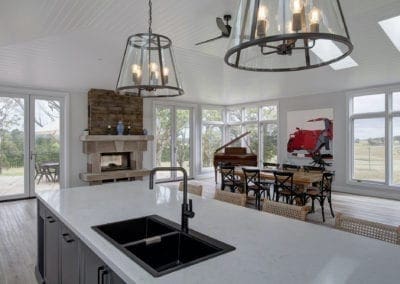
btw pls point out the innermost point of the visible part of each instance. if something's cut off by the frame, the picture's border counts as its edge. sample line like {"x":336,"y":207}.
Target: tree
{"x":9,"y":117}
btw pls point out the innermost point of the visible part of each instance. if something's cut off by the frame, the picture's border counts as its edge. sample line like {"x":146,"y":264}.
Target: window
{"x":212,"y":131}
{"x":375,"y":138}
{"x":261,"y":122}
{"x":369,"y":149}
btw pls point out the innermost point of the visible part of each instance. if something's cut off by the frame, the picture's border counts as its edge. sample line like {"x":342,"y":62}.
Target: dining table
{"x":52,"y":169}
{"x":301,"y":178}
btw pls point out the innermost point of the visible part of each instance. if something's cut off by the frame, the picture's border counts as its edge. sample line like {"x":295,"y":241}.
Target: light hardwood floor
{"x":18,"y":242}
{"x":18,"y":228}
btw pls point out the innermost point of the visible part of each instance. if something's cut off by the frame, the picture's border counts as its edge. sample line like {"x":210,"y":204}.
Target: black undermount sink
{"x":159,"y":246}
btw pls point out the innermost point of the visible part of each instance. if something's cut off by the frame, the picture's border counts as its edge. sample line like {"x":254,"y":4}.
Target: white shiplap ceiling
{"x":75,"y":45}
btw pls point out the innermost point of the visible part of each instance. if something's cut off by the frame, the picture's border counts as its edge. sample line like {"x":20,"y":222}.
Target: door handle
{"x":32,"y":155}
{"x":100,"y":269}
{"x":50,"y":219}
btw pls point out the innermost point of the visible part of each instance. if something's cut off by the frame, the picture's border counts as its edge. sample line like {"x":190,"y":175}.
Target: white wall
{"x":78,"y":120}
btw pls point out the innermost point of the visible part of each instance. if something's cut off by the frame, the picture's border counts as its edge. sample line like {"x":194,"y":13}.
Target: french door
{"x":173,"y":140}
{"x":31,"y":145}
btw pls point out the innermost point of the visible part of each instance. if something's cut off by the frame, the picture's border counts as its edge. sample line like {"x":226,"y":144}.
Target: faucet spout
{"x":187,"y":208}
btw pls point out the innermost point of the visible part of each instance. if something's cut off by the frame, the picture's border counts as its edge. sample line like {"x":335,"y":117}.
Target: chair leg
{"x":322,"y":209}
{"x":330,"y":206}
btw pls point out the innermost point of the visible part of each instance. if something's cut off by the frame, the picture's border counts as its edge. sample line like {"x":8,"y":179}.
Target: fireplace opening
{"x":115,"y":162}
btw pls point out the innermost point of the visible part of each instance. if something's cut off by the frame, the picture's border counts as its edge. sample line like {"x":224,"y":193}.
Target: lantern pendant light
{"x":288,"y":35}
{"x":148,"y":67}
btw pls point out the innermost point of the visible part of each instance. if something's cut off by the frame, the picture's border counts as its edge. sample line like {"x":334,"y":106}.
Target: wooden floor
{"x":18,"y":229}
{"x":17,"y":242}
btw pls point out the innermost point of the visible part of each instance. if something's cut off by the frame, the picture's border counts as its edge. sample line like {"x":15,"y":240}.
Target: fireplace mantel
{"x":100,"y":138}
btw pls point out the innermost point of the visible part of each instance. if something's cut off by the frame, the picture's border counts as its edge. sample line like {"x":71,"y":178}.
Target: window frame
{"x":388,"y":114}
{"x":259,"y":122}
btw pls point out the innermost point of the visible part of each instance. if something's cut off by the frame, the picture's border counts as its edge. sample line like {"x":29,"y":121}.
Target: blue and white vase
{"x":120,"y":128}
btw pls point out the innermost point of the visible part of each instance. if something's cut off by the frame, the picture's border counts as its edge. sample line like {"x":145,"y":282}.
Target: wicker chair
{"x":286,"y":210}
{"x":369,"y":229}
{"x":230,"y":197}
{"x":193,"y":187}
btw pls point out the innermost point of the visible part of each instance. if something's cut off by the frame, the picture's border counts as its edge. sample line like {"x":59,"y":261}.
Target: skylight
{"x":392,"y":29}
{"x":327,"y":50}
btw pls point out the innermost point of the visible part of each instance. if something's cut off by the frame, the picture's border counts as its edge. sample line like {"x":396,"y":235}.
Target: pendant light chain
{"x":150,"y":16}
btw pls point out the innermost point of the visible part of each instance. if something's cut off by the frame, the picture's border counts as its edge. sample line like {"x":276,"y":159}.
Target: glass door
{"x":183,"y":136}
{"x":173,"y":140}
{"x":13,"y":147}
{"x":46,"y":143}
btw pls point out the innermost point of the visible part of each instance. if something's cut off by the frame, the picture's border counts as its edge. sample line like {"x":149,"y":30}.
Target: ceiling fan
{"x":224,"y":27}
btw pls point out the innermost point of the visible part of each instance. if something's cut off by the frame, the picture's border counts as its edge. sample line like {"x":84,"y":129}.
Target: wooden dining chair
{"x":321,"y":193}
{"x":290,"y":167}
{"x":229,"y":179}
{"x":252,"y":182}
{"x":284,"y":187}
{"x":231,"y":197}
{"x":286,"y":210}
{"x":369,"y":229}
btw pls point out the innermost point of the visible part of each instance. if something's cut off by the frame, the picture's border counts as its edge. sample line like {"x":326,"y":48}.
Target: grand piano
{"x":236,"y":156}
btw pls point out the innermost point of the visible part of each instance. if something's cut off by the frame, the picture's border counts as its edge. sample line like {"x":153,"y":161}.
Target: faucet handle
{"x":190,"y":212}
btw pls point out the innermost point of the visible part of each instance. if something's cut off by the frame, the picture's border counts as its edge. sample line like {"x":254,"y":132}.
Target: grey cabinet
{"x":69,"y":257}
{"x":95,"y":271}
{"x":51,"y":248}
{"x":63,"y":258}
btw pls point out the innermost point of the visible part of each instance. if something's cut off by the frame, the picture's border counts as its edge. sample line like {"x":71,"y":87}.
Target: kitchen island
{"x":269,"y":248}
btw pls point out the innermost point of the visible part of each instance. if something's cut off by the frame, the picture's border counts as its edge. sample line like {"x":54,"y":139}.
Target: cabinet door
{"x":69,"y":257}
{"x":51,"y":249}
{"x":93,"y":267}
{"x":95,"y":270}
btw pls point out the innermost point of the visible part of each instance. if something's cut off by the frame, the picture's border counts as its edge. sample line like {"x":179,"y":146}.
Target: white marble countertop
{"x":269,"y":248}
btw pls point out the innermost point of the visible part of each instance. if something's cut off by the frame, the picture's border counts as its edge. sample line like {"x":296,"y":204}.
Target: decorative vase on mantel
{"x":120,"y":128}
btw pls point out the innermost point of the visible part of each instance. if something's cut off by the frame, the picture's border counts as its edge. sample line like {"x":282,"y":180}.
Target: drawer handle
{"x":67,"y":238}
{"x":50,"y":219}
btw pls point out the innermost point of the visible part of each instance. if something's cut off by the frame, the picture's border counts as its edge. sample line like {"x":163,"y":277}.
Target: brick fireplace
{"x":113,"y":158}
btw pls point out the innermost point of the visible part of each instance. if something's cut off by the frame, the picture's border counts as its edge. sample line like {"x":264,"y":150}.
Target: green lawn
{"x":370,"y":162}
{"x":13,"y":172}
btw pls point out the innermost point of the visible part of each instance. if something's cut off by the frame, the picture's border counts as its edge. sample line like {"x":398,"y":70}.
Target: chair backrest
{"x":313,"y":169}
{"x":290,"y":167}
{"x":283,"y":180}
{"x":230,"y":197}
{"x":193,"y":188}
{"x":271,"y":165}
{"x":286,"y":210}
{"x":326,"y":182}
{"x":251,"y":176}
{"x":369,"y":229}
{"x":227,"y":173}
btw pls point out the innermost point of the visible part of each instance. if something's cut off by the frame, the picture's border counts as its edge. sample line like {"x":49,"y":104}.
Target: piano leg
{"x":215,"y":174}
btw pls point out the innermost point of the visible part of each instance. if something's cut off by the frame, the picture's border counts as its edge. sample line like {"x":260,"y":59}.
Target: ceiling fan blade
{"x":212,"y":39}
{"x":221,"y":25}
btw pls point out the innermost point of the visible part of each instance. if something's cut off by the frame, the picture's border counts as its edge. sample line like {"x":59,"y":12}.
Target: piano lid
{"x":232,"y":141}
